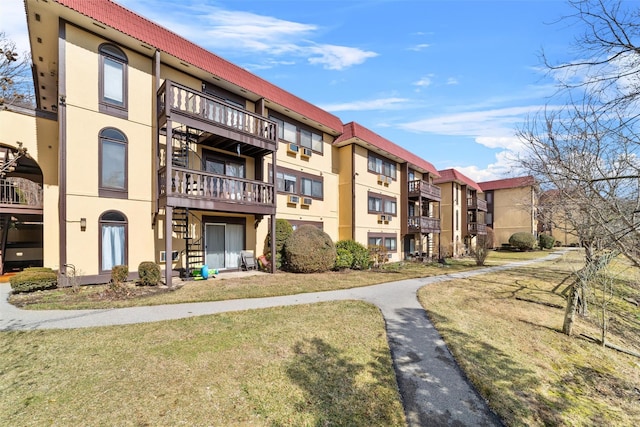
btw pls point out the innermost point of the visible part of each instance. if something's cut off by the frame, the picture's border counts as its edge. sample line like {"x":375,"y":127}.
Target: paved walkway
{"x":434,"y":390}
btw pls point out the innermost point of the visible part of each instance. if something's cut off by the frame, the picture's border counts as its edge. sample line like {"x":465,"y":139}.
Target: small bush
{"x":149,"y":273}
{"x":359,"y":253}
{"x":546,"y":241}
{"x":523,"y":241}
{"x":309,"y":250}
{"x":284,"y":229}
{"x":344,"y":259}
{"x":119,"y":273}
{"x":34,"y":280}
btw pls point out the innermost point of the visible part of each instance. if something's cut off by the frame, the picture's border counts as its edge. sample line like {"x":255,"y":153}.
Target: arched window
{"x":113,"y":80}
{"x":113,"y":180}
{"x":113,"y":240}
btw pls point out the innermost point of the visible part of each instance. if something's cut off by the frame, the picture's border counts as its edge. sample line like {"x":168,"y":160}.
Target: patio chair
{"x":248,"y":260}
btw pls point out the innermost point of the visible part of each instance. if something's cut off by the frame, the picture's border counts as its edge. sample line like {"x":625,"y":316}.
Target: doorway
{"x":223,"y":244}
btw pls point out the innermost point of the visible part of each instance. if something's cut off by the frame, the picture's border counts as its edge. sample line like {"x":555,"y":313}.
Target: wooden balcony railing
{"x":477,"y":228}
{"x":190,"y":184}
{"x":175,"y":98}
{"x":20,"y":193}
{"x":423,"y":224}
{"x":474,"y":203}
{"x":424,"y":189}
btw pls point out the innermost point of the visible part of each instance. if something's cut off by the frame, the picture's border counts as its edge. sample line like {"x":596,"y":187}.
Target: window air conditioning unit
{"x":389,"y":217}
{"x":293,"y":148}
{"x":163,"y":256}
{"x":293,"y":200}
{"x":389,"y":256}
{"x":382,"y":218}
{"x":389,"y":180}
{"x":381,"y":178}
{"x":306,"y":201}
{"x":306,"y":153}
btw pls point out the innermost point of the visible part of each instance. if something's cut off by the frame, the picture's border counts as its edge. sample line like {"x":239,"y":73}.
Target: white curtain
{"x":112,"y":246}
{"x":234,"y":236}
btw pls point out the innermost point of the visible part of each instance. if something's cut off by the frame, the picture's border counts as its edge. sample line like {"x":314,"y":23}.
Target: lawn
{"x":265,"y":285}
{"x":504,"y":329}
{"x":314,"y":365}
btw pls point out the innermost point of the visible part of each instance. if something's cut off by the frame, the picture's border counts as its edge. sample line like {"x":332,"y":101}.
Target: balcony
{"x":476,"y":228}
{"x":474,"y":203}
{"x":423,"y":224}
{"x":223,"y":123}
{"x":20,"y":196}
{"x":209,"y":191}
{"x":419,"y":188}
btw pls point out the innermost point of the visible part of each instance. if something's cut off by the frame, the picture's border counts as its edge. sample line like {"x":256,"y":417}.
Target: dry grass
{"x":321,"y":364}
{"x":511,"y":347}
{"x":265,"y":285}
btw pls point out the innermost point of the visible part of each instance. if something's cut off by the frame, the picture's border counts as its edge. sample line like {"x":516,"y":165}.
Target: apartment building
{"x":148,"y":147}
{"x":387,"y":195}
{"x":463,"y":212}
{"x":511,"y":206}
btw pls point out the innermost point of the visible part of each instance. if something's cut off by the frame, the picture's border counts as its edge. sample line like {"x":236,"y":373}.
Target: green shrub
{"x":309,"y":250}
{"x":344,"y":259}
{"x":34,"y":280}
{"x":546,"y":241}
{"x":149,"y":273}
{"x":119,"y":273}
{"x":523,"y":241}
{"x":361,"y":259}
{"x":283,"y":231}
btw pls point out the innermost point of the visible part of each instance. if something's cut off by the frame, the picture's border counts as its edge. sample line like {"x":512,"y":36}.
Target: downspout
{"x":353,"y":192}
{"x":62,"y":146}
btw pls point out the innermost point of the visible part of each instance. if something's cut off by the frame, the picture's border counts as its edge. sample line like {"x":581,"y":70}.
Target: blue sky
{"x":448,"y":80}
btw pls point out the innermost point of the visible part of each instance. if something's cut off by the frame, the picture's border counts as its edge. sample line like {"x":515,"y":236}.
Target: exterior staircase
{"x":185,"y":225}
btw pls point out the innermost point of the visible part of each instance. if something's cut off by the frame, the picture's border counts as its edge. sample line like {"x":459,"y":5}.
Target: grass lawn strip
{"x":506,"y":337}
{"x":321,"y":364}
{"x":267,"y":285}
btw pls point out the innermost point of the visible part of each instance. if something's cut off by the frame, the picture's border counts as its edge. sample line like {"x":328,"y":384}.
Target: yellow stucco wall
{"x":512,"y":213}
{"x":83,"y":125}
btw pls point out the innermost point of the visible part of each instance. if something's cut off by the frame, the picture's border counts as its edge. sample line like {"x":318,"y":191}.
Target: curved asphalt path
{"x":434,"y":390}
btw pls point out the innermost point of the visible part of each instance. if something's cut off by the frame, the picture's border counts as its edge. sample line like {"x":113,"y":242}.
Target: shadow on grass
{"x":509,"y":387}
{"x":335,"y":389}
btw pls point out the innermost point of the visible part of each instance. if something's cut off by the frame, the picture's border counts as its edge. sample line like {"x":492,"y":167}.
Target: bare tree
{"x":16,"y":87}
{"x":585,"y":147}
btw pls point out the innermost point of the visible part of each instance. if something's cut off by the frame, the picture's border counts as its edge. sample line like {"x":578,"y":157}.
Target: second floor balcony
{"x":209,"y":191}
{"x":474,"y":203}
{"x":420,"y":188}
{"x":423,"y":224}
{"x":477,"y":228}
{"x":19,"y":195}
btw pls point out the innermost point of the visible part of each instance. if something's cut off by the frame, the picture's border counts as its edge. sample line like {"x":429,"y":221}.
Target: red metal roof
{"x":501,"y":184}
{"x":449,"y":175}
{"x":355,"y":130}
{"x":138,"y":27}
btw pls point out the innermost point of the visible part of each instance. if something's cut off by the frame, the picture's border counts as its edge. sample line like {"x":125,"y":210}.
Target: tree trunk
{"x":572,"y":308}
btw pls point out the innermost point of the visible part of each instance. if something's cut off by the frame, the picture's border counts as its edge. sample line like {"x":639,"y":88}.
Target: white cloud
{"x":338,"y":57}
{"x":491,"y":128}
{"x":419,"y":47}
{"x":368,"y":105}
{"x":13,"y":22}
{"x":248,"y":33}
{"x":452,"y":81}
{"x":504,"y":166}
{"x":425,"y":81}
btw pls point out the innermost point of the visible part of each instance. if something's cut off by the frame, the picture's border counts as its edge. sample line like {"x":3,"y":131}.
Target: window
{"x":388,"y":240}
{"x":378,"y":203}
{"x":113,"y":240}
{"x":287,"y":182}
{"x":311,"y":187}
{"x":381,"y":166}
{"x":113,"y":80}
{"x":113,"y":164}
{"x":297,"y":135}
